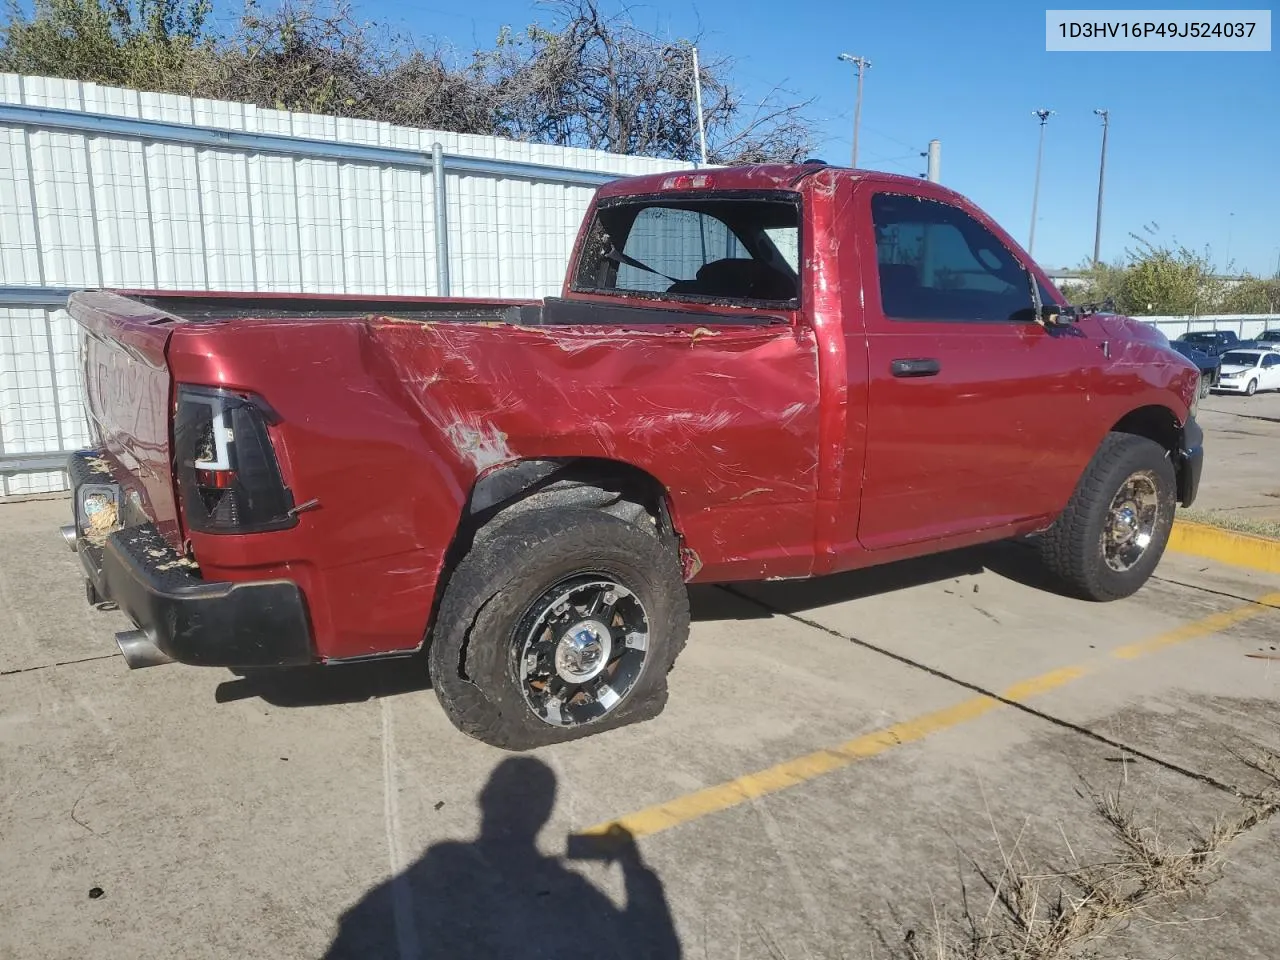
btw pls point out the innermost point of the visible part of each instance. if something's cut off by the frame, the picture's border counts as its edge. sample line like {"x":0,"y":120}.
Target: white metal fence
{"x":107,"y":187}
{"x":1245,"y":326}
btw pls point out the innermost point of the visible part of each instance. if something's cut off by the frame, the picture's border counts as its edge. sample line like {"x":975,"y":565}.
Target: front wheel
{"x":1205,"y":387}
{"x":1107,"y":542}
{"x":1251,"y":388}
{"x":562,"y":623}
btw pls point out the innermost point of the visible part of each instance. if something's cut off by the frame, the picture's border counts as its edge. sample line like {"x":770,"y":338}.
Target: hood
{"x":1141,"y":334}
{"x":1127,"y":328}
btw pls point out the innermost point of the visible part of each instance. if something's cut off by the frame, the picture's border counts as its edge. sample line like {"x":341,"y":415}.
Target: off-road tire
{"x":1072,"y":549}
{"x":470,"y":652}
{"x":1205,"y":387}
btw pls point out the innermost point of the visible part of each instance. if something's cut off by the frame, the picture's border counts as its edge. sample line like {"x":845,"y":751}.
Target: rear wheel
{"x":1107,"y":542}
{"x":1251,"y":388}
{"x":563,"y":623}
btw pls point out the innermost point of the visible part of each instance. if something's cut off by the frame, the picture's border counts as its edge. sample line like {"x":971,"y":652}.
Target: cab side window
{"x":1271,"y":361}
{"x":938,"y":263}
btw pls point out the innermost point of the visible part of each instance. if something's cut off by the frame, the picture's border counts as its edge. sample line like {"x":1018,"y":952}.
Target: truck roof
{"x":763,"y":176}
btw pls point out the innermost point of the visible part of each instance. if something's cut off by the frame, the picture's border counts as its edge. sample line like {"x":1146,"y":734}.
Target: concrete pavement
{"x":1245,"y":436}
{"x":282,"y":817}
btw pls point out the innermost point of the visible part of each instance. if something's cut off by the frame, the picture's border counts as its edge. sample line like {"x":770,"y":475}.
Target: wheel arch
{"x":577,"y":481}
{"x":517,"y":487}
{"x":1155,"y":422}
{"x":1177,"y":437}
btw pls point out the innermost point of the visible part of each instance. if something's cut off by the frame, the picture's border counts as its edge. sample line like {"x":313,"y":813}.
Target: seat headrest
{"x":744,"y":278}
{"x":898,"y":275}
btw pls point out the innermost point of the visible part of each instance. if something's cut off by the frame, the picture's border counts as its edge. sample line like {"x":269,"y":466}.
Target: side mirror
{"x":1052,"y":314}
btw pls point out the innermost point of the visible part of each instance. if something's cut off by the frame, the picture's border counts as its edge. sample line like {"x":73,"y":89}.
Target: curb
{"x":1225,"y":546}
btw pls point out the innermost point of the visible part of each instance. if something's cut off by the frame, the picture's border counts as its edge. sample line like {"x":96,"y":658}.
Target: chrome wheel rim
{"x":582,"y":646}
{"x":1131,"y":521}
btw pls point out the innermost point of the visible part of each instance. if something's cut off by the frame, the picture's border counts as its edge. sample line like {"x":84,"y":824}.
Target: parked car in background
{"x":1213,"y":342}
{"x":1248,"y":371}
{"x":1267,"y":340}
{"x":1207,"y":365}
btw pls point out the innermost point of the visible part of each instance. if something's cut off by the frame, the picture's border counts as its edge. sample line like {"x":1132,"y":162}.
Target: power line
{"x":881,"y":133}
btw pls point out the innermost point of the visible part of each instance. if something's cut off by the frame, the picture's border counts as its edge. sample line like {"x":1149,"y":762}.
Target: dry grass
{"x":1230,"y":521}
{"x":1059,"y":914}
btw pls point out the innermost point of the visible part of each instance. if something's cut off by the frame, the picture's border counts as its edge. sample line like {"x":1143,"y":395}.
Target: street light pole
{"x":860,"y":65}
{"x":1102,"y":172}
{"x":1044,"y":116}
{"x":697,"y":100}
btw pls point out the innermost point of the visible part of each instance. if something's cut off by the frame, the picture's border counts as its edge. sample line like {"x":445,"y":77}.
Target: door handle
{"x":923,"y":367}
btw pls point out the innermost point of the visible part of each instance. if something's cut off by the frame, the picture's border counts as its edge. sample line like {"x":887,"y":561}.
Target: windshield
{"x":1270,"y":336}
{"x":1241,"y":359}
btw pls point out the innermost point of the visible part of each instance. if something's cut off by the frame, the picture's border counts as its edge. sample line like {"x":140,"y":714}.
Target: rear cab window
{"x":728,"y":249}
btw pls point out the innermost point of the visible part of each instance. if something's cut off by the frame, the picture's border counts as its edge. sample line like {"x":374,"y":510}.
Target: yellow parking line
{"x":790,"y":773}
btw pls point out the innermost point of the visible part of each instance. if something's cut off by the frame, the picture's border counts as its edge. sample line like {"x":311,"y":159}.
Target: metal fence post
{"x":442,"y":220}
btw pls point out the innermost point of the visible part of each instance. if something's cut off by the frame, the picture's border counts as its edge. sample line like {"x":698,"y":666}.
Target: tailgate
{"x":128,"y":397}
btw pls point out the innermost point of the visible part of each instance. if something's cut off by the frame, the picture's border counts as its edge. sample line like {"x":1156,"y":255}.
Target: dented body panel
{"x":389,"y":425}
{"x":782,"y":445}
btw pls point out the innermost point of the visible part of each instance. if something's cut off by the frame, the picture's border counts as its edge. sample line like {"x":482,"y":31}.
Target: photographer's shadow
{"x":499,"y":897}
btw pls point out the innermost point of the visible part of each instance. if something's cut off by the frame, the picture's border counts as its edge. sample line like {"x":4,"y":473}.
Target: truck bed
{"x":552,"y":311}
{"x":213,"y":307}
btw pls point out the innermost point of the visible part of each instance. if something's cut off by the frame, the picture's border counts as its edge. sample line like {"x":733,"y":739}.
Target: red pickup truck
{"x":765,"y":372}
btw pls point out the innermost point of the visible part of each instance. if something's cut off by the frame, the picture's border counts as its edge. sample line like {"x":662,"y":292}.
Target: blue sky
{"x":1195,"y":137}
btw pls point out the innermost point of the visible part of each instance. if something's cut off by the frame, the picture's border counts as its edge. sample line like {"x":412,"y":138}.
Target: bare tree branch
{"x":582,"y":79}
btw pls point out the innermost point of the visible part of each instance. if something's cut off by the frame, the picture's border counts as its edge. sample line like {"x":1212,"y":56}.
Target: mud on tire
{"x":478,"y":648}
{"x":1092,"y":550}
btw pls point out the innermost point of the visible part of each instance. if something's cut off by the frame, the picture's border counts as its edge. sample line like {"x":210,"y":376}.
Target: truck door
{"x":976,"y":413}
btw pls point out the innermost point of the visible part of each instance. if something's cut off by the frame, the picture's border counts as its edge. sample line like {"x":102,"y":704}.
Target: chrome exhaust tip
{"x":69,"y":535}
{"x":139,"y":650}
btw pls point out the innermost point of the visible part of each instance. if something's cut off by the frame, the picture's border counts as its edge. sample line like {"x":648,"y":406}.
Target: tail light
{"x":227,"y":471}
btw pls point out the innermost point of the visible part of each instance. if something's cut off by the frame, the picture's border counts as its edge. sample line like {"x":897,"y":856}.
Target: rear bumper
{"x":1190,"y":462}
{"x":201,"y":622}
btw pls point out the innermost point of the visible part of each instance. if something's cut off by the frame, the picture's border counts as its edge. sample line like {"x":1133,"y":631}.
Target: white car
{"x":1248,"y":371}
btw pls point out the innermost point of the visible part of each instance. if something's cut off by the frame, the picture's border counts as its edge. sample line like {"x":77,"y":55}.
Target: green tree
{"x":1154,"y":279}
{"x":1253,"y":295}
{"x":146,"y":44}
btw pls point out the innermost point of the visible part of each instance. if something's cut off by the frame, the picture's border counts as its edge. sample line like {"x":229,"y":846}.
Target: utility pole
{"x":697,"y":100}
{"x":1044,"y":116}
{"x":1102,"y":172}
{"x":1231,"y":222}
{"x":860,"y":65}
{"x":934,"y":168}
